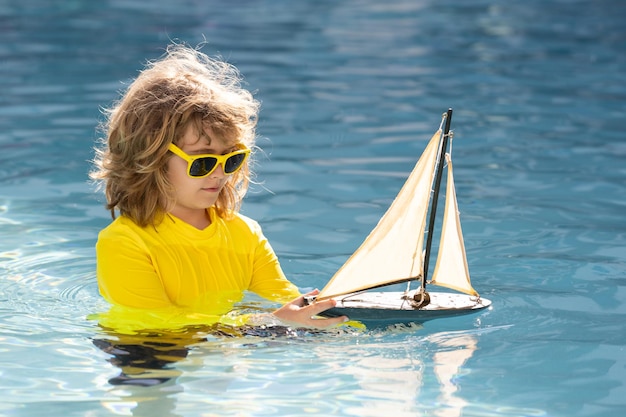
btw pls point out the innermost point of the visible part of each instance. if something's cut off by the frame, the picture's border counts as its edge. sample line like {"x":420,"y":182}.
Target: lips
{"x":211,"y":189}
{"x":214,"y":185}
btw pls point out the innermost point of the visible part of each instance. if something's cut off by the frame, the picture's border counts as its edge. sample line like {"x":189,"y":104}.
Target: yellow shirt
{"x":174,"y":266}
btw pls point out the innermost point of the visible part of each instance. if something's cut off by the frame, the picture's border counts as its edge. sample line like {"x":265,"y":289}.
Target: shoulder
{"x":243,"y":225}
{"x":120,"y":233}
{"x":241,"y":220}
{"x":120,"y":226}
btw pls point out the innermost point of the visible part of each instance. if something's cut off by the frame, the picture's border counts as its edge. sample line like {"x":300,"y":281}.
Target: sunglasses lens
{"x":202,"y":166}
{"x":234,"y":163}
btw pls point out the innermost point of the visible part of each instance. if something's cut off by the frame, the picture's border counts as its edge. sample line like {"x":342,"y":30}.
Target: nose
{"x":218,"y":172}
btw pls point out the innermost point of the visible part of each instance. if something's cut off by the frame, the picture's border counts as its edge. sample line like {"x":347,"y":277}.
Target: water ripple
{"x":351,"y":91}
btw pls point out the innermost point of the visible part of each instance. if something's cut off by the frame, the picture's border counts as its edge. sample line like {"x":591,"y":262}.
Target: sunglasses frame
{"x":220,"y":159}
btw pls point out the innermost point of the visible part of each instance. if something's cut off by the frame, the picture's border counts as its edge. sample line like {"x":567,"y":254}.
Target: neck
{"x":199,"y":219}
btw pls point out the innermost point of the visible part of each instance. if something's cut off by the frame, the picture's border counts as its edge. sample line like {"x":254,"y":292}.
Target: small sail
{"x":392,"y":252}
{"x":451,"y":269}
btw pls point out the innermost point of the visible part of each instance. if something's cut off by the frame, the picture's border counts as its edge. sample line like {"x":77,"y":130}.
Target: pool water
{"x":351,"y":92}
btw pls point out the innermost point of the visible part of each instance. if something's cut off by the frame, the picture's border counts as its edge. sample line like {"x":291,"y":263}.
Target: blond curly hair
{"x":184,"y":88}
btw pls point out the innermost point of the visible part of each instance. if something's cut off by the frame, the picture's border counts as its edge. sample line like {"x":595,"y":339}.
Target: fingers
{"x":314,"y":292}
{"x":299,"y":302}
{"x":297,"y":312}
{"x":321,"y":306}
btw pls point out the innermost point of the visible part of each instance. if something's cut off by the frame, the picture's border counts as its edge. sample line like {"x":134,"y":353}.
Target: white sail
{"x":451,"y":269}
{"x":393,"y":251}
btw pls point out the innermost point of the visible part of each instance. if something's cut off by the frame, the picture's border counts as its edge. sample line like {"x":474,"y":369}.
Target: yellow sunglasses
{"x":199,"y":166}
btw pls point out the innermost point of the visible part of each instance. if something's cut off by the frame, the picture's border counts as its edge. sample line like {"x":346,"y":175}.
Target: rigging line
{"x":434,"y":200}
{"x":420,"y":253}
{"x":443,"y":119}
{"x":451,"y":137}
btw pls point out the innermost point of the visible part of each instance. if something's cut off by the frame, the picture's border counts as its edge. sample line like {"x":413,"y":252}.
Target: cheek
{"x":176,"y":170}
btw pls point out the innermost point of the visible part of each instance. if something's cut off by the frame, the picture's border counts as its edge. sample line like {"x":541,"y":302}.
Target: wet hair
{"x":182,"y":89}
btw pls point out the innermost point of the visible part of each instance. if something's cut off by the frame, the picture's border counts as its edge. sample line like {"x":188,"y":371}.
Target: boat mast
{"x":433,"y":208}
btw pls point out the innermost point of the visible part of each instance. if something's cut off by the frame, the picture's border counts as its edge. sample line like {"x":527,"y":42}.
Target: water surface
{"x":351,"y":92}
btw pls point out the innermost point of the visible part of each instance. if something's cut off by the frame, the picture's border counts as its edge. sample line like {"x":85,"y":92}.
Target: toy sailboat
{"x":398,"y":250}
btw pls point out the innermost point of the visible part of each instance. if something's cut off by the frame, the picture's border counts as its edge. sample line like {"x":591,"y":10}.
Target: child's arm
{"x":299,"y":313}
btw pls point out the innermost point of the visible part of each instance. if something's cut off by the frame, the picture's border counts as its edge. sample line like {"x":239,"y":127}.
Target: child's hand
{"x":299,"y":313}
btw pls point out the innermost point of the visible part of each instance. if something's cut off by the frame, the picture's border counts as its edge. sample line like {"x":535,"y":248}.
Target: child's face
{"x":195,"y":195}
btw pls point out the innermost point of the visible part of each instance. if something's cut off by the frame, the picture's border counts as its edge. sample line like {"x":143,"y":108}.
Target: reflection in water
{"x":396,"y":380}
{"x":150,"y":363}
{"x":453,"y":353}
{"x":389,"y":377}
{"x":148,"y":358}
{"x":143,"y":363}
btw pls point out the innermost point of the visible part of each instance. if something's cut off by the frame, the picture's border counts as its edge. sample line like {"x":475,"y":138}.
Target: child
{"x":176,"y":166}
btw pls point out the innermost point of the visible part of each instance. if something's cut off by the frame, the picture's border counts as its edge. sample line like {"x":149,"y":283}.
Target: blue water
{"x":351,"y":91}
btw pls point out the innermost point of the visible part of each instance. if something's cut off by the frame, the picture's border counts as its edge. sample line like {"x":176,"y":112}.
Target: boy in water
{"x":175,"y":165}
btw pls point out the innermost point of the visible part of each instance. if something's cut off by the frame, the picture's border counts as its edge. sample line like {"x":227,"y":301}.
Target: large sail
{"x":393,"y":250}
{"x":451,"y":269}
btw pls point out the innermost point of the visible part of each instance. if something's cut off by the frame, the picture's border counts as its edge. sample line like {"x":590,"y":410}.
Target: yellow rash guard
{"x":173,"y":269}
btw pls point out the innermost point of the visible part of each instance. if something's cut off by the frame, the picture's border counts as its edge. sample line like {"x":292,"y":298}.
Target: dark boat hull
{"x":391,"y":308}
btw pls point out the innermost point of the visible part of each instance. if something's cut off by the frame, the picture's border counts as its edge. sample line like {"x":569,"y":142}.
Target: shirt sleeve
{"x":126,"y":275}
{"x":268,"y":278}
